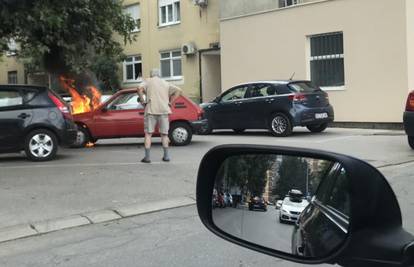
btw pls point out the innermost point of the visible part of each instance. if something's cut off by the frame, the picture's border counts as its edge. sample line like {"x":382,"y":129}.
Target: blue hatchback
{"x":275,"y":105}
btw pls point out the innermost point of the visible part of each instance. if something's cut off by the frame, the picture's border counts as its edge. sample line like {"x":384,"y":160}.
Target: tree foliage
{"x":292,"y":175}
{"x":64,"y":36}
{"x":247,"y":172}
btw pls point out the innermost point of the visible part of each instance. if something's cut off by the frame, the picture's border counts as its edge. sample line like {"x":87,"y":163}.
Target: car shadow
{"x":266,"y":133}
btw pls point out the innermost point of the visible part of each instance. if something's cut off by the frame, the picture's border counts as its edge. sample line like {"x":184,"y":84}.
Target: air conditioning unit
{"x":188,"y":49}
{"x":201,"y":3}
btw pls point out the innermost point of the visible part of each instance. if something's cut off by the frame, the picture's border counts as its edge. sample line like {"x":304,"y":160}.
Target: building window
{"x":169,"y":12}
{"x":327,"y":60}
{"x":134,"y":12}
{"x":12,"y":77}
{"x":285,"y":3}
{"x":171,"y":64}
{"x":133,"y":69}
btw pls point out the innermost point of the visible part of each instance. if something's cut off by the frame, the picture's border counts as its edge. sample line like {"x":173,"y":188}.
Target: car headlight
{"x":285,"y":211}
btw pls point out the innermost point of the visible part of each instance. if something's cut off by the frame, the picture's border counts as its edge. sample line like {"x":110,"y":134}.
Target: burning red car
{"x":122,"y":116}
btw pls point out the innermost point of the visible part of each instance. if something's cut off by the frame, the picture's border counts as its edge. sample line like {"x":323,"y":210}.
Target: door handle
{"x":141,"y":113}
{"x":238,"y":103}
{"x":23,"y":115}
{"x":269,"y":100}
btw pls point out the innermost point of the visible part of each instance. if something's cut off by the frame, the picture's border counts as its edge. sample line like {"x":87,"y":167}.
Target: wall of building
{"x":233,"y":8}
{"x":10,"y":63}
{"x":273,"y":45}
{"x":211,"y":73}
{"x":198,"y":25}
{"x":410,"y":42}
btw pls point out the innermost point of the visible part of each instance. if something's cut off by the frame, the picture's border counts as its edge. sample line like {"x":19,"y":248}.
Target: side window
{"x":125,"y":102}
{"x":260,"y":90}
{"x":283,"y":89}
{"x":235,"y":94}
{"x":339,"y":197}
{"x":10,"y":98}
{"x":325,"y":188}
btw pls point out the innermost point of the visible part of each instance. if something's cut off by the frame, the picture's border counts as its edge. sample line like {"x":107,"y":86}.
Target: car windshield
{"x":304,"y":87}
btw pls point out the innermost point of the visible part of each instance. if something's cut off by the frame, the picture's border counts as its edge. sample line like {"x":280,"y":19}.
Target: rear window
{"x":304,"y":87}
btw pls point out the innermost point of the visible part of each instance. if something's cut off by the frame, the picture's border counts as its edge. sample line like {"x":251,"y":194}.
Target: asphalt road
{"x":255,"y":226}
{"x":110,"y":175}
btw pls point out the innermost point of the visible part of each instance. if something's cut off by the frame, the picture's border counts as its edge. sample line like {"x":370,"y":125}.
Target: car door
{"x":15,"y":116}
{"x":230,"y":112}
{"x":325,"y":223}
{"x":121,"y":117}
{"x":259,"y":103}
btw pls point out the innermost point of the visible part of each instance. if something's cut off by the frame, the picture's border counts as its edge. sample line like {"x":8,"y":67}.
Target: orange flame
{"x":81,"y":103}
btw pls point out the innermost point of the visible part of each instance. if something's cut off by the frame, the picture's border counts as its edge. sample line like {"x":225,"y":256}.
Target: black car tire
{"x":180,"y":134}
{"x":83,"y":137}
{"x":45,"y":140}
{"x":280,"y":125}
{"x":411,"y":141}
{"x":317,"y":128}
{"x":239,"y":131}
{"x":205,"y":130}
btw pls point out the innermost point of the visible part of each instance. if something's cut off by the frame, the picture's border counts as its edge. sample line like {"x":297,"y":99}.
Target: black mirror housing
{"x":375,"y":217}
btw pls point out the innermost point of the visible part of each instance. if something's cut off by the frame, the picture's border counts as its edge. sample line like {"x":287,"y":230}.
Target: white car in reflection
{"x":293,"y":205}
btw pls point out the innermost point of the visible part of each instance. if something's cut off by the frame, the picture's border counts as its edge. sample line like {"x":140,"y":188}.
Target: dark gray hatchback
{"x":34,"y":119}
{"x":275,"y":105}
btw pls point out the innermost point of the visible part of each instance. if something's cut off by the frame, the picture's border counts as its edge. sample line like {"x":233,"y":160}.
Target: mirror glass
{"x":291,"y":204}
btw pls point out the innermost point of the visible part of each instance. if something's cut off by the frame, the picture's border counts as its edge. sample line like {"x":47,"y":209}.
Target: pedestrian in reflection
{"x":157,"y":96}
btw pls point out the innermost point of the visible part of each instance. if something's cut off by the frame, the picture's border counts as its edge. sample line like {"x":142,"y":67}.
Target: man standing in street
{"x":159,"y":96}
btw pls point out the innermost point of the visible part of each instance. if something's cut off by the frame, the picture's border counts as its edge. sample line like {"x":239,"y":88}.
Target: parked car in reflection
{"x":409,"y":119}
{"x":228,"y":199}
{"x":122,"y":116}
{"x":324,"y":223}
{"x":293,"y":205}
{"x":257,"y":203}
{"x":274,"y":105}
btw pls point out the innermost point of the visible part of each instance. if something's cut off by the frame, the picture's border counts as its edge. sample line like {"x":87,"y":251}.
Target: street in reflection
{"x":260,"y":198}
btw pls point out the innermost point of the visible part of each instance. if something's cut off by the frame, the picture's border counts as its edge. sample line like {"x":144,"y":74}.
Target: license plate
{"x":321,"y":115}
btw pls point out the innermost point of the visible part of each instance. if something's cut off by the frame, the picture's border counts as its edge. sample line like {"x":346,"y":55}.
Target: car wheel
{"x":239,"y":131}
{"x":206,"y":130}
{"x":317,"y":128}
{"x":41,"y":145}
{"x":411,"y":141}
{"x":82,"y":138}
{"x":180,"y":134}
{"x":280,"y":125}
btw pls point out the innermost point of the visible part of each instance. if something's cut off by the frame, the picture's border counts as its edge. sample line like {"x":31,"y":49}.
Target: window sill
{"x":160,"y":26}
{"x":177,"y":78}
{"x":132,"y":81}
{"x":333,"y":88}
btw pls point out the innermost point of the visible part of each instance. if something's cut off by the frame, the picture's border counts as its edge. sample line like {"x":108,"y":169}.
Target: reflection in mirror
{"x":280,"y":203}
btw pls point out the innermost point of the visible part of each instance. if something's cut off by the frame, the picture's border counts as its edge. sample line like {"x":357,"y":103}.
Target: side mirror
{"x":104,"y":109}
{"x":331,"y":208}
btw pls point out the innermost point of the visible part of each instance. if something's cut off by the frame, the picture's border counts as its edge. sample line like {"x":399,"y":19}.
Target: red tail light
{"x":410,"y":102}
{"x":61,"y":106}
{"x":200,"y":113}
{"x":298,"y":98}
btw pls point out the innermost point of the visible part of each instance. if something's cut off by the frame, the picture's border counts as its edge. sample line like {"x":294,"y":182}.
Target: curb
{"x":43,"y":227}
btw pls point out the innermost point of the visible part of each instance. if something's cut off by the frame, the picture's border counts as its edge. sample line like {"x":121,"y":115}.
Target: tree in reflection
{"x":293,"y":173}
{"x":249,"y":173}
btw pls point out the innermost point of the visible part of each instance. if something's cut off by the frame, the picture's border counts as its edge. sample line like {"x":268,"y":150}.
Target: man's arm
{"x":141,"y":94}
{"x":175,"y":93}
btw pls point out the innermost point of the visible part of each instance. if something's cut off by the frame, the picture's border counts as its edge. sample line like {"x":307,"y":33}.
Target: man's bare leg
{"x":165,"y":142}
{"x":147,"y":144}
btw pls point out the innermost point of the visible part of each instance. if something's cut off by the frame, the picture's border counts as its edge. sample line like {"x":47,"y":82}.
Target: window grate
{"x":327,"y":59}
